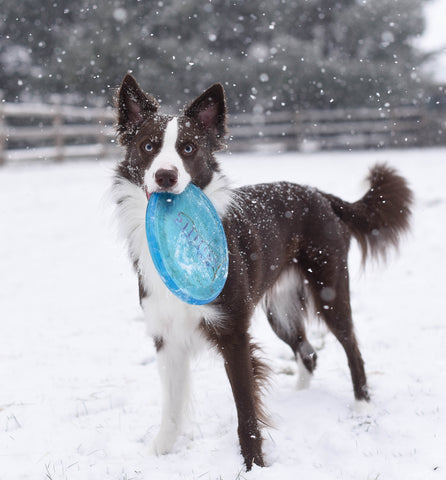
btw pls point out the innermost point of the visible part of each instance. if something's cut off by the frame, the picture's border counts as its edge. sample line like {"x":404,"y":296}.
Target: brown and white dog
{"x":288,"y":249}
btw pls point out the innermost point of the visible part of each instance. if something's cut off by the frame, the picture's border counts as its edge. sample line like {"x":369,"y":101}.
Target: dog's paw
{"x":362,"y":408}
{"x":304,"y":380}
{"x":162,"y":443}
{"x":303,"y":376}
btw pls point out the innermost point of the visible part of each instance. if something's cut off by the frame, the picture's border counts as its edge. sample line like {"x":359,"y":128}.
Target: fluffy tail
{"x":379,"y":218}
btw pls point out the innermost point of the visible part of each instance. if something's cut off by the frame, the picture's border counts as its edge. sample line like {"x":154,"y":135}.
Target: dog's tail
{"x":379,"y":218}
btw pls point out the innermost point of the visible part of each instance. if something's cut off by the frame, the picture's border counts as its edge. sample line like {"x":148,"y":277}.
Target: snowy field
{"x":79,"y":394}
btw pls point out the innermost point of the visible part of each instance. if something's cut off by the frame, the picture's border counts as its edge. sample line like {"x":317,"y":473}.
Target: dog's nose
{"x":166,"y":178}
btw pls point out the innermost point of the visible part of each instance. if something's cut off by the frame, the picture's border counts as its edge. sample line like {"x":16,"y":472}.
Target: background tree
{"x":270,"y":54}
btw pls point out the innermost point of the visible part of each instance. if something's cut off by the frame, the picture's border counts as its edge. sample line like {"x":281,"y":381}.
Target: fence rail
{"x":57,"y":132}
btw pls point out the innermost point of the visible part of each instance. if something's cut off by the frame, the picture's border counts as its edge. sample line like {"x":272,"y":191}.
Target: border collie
{"x":288,"y":247}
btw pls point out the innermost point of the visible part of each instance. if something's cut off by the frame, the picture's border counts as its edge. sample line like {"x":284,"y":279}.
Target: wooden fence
{"x":57,"y":132}
{"x":54,"y":132}
{"x":339,"y":129}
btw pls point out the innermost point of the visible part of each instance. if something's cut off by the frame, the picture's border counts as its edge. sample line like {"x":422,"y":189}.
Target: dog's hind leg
{"x":329,"y":284}
{"x":340,"y":323}
{"x":305,"y":369}
{"x":285,"y":308}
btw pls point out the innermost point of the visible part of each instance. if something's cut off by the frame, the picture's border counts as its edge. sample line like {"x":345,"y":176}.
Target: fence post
{"x":102,"y":138}
{"x":58,"y":133}
{"x":2,"y":133}
{"x":299,"y":127}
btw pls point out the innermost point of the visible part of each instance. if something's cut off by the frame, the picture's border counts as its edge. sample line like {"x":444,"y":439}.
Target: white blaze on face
{"x":168,"y":159}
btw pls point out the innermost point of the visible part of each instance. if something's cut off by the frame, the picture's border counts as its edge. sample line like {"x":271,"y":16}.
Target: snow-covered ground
{"x":79,"y":387}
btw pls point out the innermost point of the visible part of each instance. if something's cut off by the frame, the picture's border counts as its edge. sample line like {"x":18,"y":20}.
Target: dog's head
{"x":164,"y":153}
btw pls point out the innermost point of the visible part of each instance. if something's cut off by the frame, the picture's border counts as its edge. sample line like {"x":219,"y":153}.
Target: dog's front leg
{"x":239,"y":364}
{"x":174,"y":370}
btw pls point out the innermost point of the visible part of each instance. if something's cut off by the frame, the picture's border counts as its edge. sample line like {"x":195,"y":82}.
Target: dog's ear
{"x":209,"y":109}
{"x":133,"y":106}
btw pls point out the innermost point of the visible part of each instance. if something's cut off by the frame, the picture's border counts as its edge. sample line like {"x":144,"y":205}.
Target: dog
{"x":288,"y":247}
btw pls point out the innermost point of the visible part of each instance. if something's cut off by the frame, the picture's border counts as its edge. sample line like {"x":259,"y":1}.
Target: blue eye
{"x":148,"y":147}
{"x":188,"y":149}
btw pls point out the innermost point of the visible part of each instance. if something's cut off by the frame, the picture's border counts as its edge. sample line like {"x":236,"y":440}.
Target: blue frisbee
{"x":188,"y":245}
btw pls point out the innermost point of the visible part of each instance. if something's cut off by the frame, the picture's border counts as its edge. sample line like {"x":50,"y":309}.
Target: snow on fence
{"x":57,"y":132}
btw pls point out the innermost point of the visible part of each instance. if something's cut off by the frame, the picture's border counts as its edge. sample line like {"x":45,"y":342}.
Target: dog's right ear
{"x":133,"y":107}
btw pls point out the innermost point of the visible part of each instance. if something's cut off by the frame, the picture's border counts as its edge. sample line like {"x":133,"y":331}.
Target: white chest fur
{"x":167,"y":316}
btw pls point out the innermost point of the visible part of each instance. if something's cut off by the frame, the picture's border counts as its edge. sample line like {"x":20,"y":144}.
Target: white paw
{"x":362,"y":407}
{"x":303,"y":381}
{"x":303,"y":376}
{"x":163,"y":442}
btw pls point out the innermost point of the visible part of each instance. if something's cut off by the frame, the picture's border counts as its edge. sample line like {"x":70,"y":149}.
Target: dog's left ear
{"x":209,"y":109}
